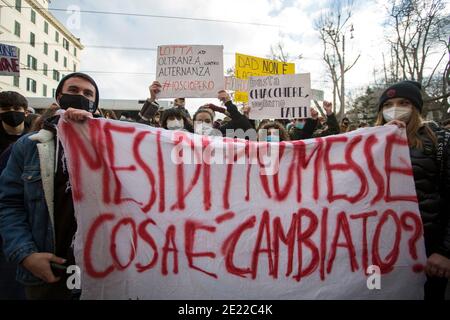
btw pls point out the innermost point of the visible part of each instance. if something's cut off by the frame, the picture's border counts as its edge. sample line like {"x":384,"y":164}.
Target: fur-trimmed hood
{"x":42,"y":136}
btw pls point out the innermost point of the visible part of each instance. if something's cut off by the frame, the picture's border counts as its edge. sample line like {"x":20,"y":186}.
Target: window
{"x":17,"y":29}
{"x":19,"y":5}
{"x":75,"y":51}
{"x":56,"y":36}
{"x":66,"y":44}
{"x":16,"y":81}
{"x":32,"y":62}
{"x":74,"y":67}
{"x":46,"y":48}
{"x":55,"y":75}
{"x":53,"y":92}
{"x":45,"y":67}
{"x":33,"y":16}
{"x":46,"y":27}
{"x":56,"y":55}
{"x":44,"y":90}
{"x":31,"y":85}
{"x":65,"y":62}
{"x":32,"y":39}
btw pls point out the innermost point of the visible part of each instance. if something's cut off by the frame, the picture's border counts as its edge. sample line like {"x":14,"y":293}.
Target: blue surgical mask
{"x":272,"y":138}
{"x":300,"y":125}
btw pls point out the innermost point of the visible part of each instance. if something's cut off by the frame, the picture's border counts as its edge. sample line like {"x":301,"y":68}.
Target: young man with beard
{"x":37,"y":220}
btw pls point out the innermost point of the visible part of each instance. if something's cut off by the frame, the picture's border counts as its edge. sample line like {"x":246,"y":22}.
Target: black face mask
{"x":76,"y":101}
{"x":13,"y":118}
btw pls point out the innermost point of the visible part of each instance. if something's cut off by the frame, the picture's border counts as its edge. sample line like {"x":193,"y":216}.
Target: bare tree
{"x":417,"y":26}
{"x":333,"y":26}
{"x":278,"y":52}
{"x":420,"y":30}
{"x":230,"y":71}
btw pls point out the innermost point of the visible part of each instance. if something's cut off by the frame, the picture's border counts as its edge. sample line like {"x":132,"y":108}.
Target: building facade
{"x":47,"y":49}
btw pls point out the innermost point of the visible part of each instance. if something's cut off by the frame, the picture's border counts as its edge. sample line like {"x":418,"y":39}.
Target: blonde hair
{"x":413,"y":127}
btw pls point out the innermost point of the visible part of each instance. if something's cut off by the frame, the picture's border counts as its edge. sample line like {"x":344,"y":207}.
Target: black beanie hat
{"x":407,"y":89}
{"x":83,"y":76}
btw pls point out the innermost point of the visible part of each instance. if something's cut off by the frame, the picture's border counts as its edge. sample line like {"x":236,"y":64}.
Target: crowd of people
{"x":37,"y":221}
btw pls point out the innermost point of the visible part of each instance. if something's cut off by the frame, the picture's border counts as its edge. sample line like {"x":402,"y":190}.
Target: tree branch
{"x":437,"y":98}
{"x":354,"y":62}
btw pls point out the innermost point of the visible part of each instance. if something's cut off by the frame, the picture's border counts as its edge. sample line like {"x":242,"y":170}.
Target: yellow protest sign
{"x":249,"y":66}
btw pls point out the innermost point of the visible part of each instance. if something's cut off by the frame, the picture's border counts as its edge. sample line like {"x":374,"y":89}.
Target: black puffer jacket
{"x":331,"y":128}
{"x":432,"y":203}
{"x":238,"y":121}
{"x":305,"y":133}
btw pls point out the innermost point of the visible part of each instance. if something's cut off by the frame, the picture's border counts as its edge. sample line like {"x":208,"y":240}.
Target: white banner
{"x":187,"y":71}
{"x":171,"y":215}
{"x":280,"y":97}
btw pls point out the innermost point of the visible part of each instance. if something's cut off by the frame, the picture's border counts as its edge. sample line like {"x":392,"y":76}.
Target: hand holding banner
{"x":171,"y":215}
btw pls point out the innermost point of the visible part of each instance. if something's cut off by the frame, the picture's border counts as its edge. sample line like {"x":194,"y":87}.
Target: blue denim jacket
{"x":25,"y":223}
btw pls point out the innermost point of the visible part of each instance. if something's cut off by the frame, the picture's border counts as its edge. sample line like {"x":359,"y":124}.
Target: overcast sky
{"x":288,"y":21}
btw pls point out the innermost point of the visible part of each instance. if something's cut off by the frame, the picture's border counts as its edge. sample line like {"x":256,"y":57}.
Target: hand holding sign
{"x":438,"y":266}
{"x":154,"y":89}
{"x":328,"y":107}
{"x":246,"y":110}
{"x":223,"y":96}
{"x":314,"y":114}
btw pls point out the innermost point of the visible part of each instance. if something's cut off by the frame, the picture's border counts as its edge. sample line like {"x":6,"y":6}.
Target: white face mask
{"x":397,"y":113}
{"x":203,"y":128}
{"x":175,"y":124}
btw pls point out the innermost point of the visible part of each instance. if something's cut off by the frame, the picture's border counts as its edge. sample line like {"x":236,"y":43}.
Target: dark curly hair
{"x":12,"y":99}
{"x":284,"y":136}
{"x":176,"y":113}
